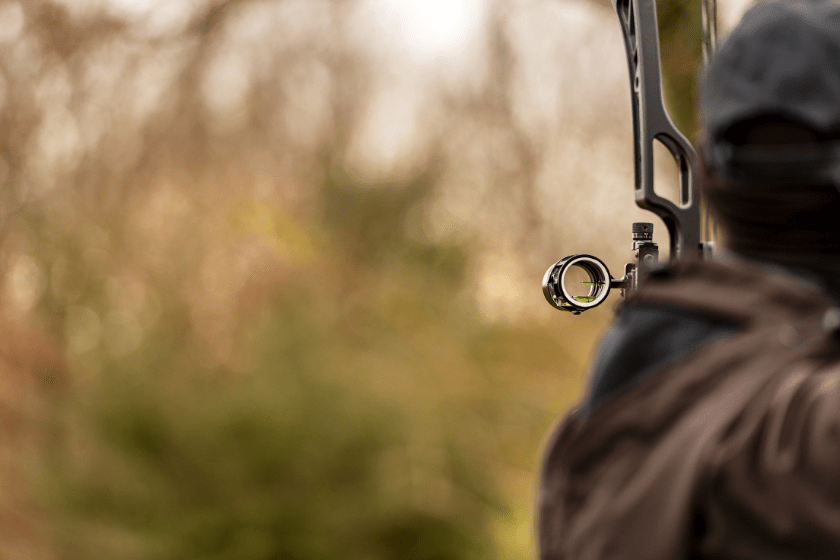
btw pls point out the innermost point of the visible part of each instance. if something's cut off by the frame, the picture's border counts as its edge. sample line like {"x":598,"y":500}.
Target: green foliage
{"x":265,"y":464}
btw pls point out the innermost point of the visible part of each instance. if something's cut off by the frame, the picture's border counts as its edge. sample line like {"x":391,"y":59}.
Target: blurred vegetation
{"x":681,"y":29}
{"x":220,"y":338}
{"x":369,"y":414}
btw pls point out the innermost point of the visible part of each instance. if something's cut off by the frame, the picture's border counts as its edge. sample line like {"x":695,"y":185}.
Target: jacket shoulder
{"x":774,"y":471}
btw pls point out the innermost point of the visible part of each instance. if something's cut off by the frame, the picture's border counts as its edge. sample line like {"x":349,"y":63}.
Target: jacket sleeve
{"x":774,"y":484}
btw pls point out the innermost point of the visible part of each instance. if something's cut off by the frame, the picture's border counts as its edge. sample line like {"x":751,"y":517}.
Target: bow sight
{"x":600,"y":281}
{"x":650,"y":123}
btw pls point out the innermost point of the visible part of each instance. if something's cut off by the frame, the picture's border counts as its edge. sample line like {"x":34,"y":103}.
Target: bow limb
{"x":652,"y":123}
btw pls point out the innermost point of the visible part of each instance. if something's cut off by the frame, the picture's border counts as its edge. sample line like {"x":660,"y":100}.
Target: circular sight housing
{"x":558,"y":283}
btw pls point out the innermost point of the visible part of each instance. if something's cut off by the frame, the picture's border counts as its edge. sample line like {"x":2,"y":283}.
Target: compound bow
{"x":651,"y":123}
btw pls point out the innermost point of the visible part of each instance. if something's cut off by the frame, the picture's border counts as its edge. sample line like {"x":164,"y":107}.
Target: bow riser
{"x":652,"y":123}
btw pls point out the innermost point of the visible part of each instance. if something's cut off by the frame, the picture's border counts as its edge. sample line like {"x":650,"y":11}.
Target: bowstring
{"x":708,"y":10}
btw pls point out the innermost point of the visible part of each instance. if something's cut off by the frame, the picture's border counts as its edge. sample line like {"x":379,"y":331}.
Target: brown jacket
{"x":731,"y":453}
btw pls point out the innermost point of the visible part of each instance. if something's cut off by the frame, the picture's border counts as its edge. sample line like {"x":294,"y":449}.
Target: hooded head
{"x":770,"y":107}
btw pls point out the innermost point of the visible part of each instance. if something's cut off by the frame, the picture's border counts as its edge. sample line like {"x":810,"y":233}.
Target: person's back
{"x":711,"y":427}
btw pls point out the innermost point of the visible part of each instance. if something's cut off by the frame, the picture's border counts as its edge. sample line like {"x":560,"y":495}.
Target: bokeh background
{"x":271,"y":268}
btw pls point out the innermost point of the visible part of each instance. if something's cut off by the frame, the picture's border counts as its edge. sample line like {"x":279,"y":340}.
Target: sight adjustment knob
{"x":642,"y":231}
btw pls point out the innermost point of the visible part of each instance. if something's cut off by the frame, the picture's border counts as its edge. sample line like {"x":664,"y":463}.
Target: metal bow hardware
{"x":650,"y":123}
